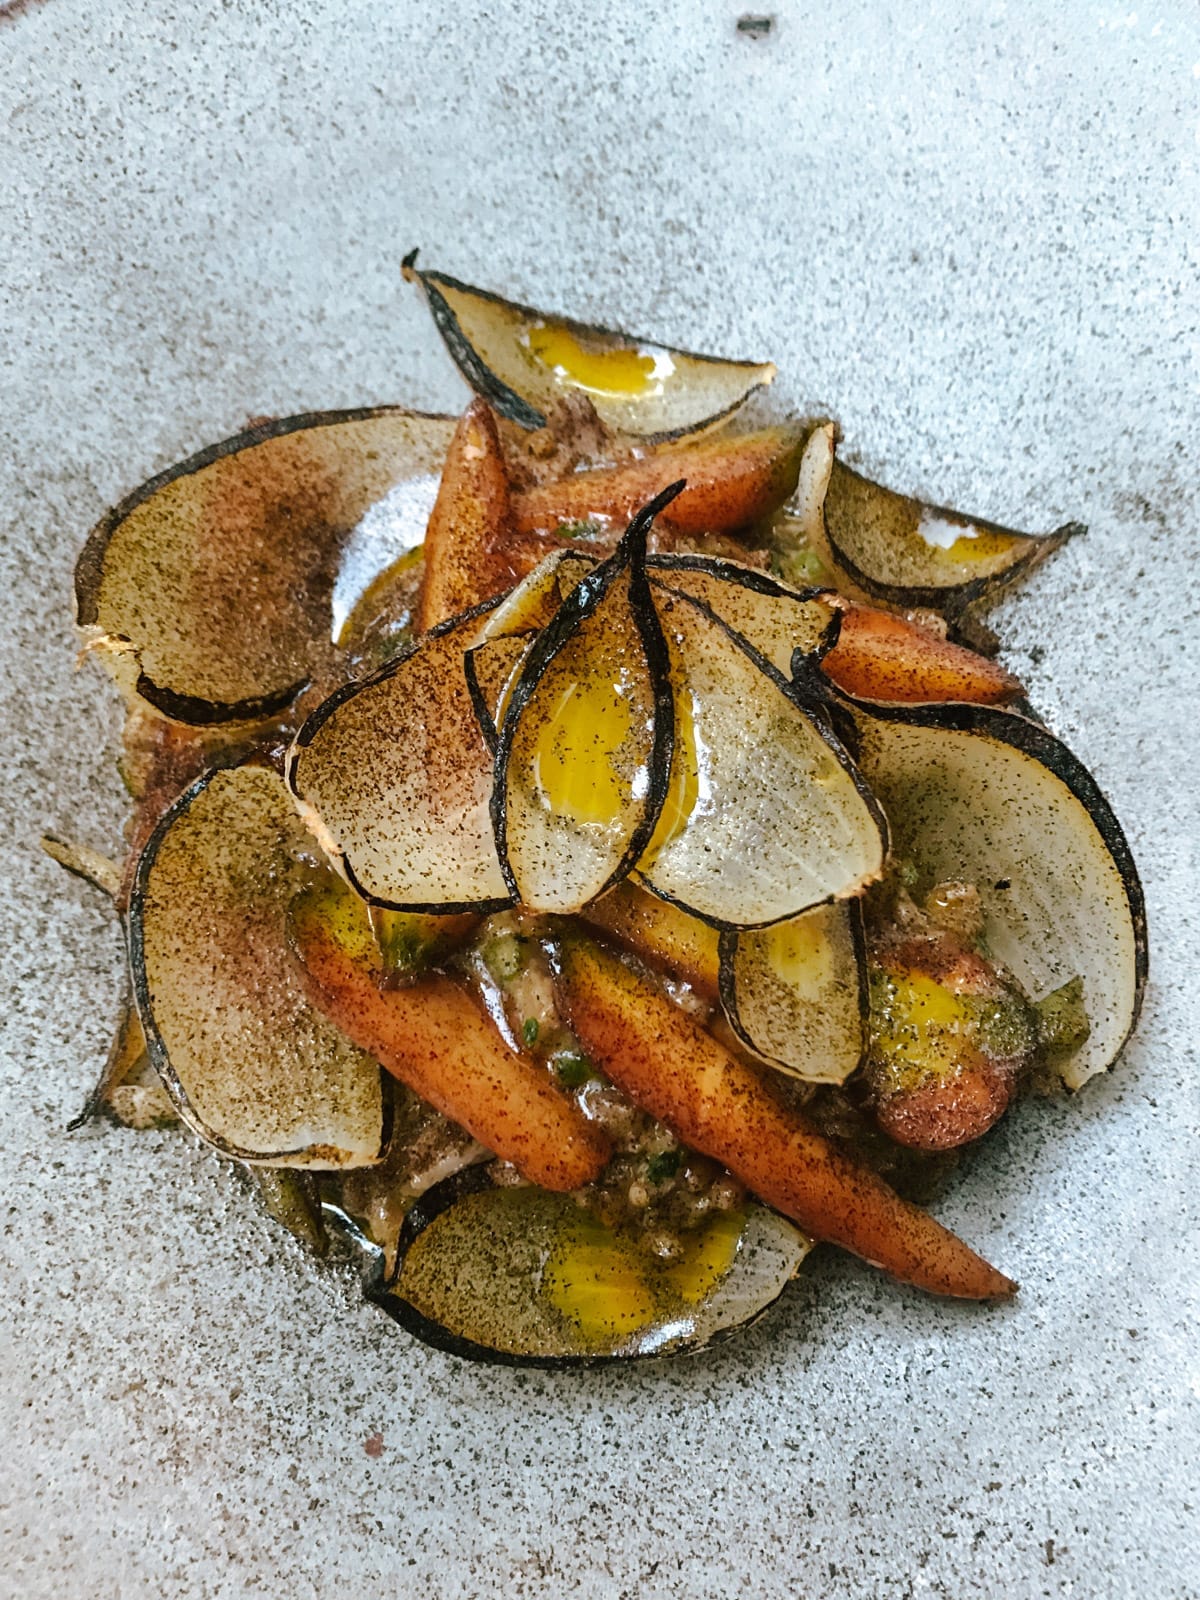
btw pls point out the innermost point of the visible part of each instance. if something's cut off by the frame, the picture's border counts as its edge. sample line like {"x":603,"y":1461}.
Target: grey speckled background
{"x":973,"y":236}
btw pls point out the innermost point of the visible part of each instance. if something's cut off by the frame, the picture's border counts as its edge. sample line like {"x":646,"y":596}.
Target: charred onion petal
{"x":246,"y":1060}
{"x":897,"y":549}
{"x":526,"y":1278}
{"x":395,"y":777}
{"x":731,"y":481}
{"x":796,"y":994}
{"x":437,"y":1039}
{"x":984,"y":796}
{"x":775,"y":620}
{"x":723,"y":1108}
{"x":213,"y":584}
{"x":664,"y":935}
{"x":521,"y":359}
{"x":765,"y":815}
{"x":585,"y":744}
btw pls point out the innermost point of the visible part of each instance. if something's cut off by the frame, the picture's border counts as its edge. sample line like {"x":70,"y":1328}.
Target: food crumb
{"x":373,"y":1445}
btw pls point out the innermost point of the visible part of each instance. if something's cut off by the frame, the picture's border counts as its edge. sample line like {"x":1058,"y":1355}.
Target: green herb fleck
{"x":1062,"y":1020}
{"x":664,"y":1165}
{"x":504,"y":957}
{"x":800,"y":566}
{"x":530,"y":1030}
{"x":581,"y":529}
{"x":573,"y":1069}
{"x":908,"y":873}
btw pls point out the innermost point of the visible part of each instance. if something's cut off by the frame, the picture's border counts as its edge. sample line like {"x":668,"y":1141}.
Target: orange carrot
{"x":880,"y":656}
{"x":730,"y":482}
{"x":470,"y":529}
{"x":723,"y":1108}
{"x":435,"y":1038}
{"x":661,"y":934}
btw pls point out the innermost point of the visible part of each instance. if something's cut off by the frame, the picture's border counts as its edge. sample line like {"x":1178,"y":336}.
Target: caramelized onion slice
{"x":765,"y":815}
{"x":896,"y":548}
{"x":216,"y":588}
{"x":245,"y":1059}
{"x":521,"y":360}
{"x":528,"y":1278}
{"x":774,"y":619}
{"x":394,"y":775}
{"x":984,"y":796}
{"x":796,"y":994}
{"x":585,"y":743}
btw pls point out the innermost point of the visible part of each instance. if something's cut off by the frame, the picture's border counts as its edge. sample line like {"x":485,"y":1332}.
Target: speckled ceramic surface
{"x":968,"y":232}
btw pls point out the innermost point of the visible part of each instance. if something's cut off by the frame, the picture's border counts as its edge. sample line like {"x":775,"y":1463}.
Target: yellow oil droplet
{"x":972,"y":547}
{"x":595,"y":1280}
{"x":923,"y":1029}
{"x":375,"y":596}
{"x":979,"y":548}
{"x":617,"y":372}
{"x":801,"y":953}
{"x":342,"y":914}
{"x":683,"y":787}
{"x":707,"y":1257}
{"x":576,"y":763}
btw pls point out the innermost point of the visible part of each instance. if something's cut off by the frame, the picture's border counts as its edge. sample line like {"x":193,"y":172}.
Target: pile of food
{"x":585,"y":853}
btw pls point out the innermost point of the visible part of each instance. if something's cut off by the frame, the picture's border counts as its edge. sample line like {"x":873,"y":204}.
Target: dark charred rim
{"x":155,"y":1045}
{"x":483,"y":712}
{"x":733,"y":572}
{"x":382,"y":1292}
{"x":316,"y":720}
{"x":580,"y":604}
{"x":817,"y":714}
{"x":513,"y":405}
{"x":195,"y":710}
{"x":727,"y":982}
{"x":952,"y":598}
{"x":1039,"y":744}
{"x":423,"y":908}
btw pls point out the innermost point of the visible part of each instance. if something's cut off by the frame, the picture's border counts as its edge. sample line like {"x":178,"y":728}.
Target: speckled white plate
{"x":968,"y":232}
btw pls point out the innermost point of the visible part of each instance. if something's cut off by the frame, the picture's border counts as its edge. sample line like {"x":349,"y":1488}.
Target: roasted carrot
{"x":724,"y":1109}
{"x":880,"y":656}
{"x":730,"y":482}
{"x":470,"y":531}
{"x":435,"y":1038}
{"x":661,"y":933}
